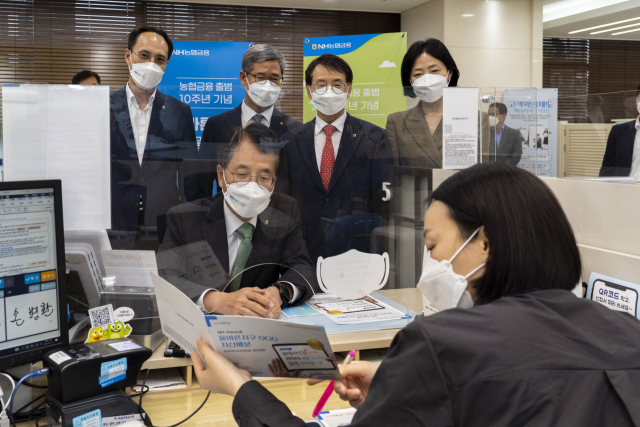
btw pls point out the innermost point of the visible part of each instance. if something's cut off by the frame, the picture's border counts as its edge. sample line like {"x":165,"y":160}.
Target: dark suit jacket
{"x":151,"y":186}
{"x":619,"y":152}
{"x":355,"y":186}
{"x":545,"y":358}
{"x":510,"y":149}
{"x":200,"y":181}
{"x":276,"y":239}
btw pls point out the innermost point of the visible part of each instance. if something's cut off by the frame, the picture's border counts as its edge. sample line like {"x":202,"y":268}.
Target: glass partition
{"x":164,"y":180}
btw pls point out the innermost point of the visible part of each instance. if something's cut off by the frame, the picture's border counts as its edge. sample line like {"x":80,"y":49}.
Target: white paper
{"x":353,"y":274}
{"x":59,"y":357}
{"x":338,"y":418}
{"x":61,"y":132}
{"x":251,"y":343}
{"x":362,"y":310}
{"x":131,"y":268}
{"x":164,"y":379}
{"x":460,"y":128}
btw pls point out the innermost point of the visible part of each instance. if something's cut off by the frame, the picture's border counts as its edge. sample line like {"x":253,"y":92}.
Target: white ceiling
{"x":396,"y":6}
{"x":621,"y":11}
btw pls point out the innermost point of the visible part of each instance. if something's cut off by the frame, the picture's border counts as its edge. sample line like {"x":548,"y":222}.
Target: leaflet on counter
{"x":264,"y":347}
{"x":361,"y":310}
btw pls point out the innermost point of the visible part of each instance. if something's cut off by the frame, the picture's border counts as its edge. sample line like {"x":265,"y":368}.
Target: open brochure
{"x":348,"y":311}
{"x":264,"y":347}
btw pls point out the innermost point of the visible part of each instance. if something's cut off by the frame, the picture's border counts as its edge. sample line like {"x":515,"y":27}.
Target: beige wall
{"x":499,"y":46}
{"x":424,"y":21}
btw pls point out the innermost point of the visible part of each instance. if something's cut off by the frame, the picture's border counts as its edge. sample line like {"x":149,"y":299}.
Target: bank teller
{"x":529,"y":352}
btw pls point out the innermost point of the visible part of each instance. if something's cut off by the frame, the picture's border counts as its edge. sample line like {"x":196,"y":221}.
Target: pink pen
{"x":327,"y":393}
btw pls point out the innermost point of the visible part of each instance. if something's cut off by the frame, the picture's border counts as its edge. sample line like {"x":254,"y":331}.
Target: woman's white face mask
{"x":441,"y":285}
{"x":430,"y":86}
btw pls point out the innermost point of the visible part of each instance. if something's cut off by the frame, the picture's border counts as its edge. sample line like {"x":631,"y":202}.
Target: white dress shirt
{"x":635,"y":159}
{"x":139,"y":120}
{"x":248,"y":113}
{"x":232,"y":223}
{"x":320,"y":138}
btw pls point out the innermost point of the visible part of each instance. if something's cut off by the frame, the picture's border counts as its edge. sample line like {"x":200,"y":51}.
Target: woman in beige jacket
{"x":416,"y":134}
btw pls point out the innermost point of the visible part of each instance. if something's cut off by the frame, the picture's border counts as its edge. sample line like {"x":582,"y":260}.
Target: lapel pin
{"x":163,"y":107}
{"x":266,"y":221}
{"x":281,"y":123}
{"x":354,"y":135}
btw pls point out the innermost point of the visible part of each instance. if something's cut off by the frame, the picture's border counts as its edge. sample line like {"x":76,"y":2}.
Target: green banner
{"x":375,"y":60}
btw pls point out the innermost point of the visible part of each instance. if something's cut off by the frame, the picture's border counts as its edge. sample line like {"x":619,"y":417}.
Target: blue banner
{"x":205,"y":75}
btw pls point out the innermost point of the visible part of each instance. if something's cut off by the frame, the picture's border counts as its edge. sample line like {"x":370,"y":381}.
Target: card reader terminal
{"x":83,"y":370}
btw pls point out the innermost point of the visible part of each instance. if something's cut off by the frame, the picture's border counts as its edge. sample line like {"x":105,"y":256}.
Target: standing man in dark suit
{"x":622,"y":155}
{"x":507,"y":140}
{"x":333,"y":165}
{"x":237,"y":230}
{"x":150,"y":135}
{"x":262,"y":74}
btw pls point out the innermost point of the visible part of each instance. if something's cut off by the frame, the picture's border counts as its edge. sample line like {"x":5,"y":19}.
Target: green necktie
{"x":245,"y":231}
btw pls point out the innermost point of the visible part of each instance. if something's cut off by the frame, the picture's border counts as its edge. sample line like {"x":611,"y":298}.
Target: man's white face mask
{"x":441,"y":285}
{"x":146,"y":75}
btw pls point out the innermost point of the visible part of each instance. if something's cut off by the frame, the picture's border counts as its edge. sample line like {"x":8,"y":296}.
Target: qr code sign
{"x":101,"y":316}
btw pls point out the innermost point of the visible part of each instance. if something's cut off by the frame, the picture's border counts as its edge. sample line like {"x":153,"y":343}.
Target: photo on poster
{"x":300,"y":357}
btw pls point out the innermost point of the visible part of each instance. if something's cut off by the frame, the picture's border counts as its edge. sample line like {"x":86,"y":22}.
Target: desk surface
{"x":171,"y":406}
{"x":339,"y":342}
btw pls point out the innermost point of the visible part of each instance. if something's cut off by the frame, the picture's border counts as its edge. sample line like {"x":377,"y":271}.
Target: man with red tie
{"x":333,"y":166}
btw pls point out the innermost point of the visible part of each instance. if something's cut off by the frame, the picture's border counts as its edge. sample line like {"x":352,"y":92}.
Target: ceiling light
{"x":564,"y":8}
{"x":614,"y":29}
{"x":605,"y":25}
{"x":624,"y":32}
{"x":467,"y":15}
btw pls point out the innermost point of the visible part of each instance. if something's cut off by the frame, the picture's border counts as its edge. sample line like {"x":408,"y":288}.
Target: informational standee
{"x":535,"y":113}
{"x":616,"y":294}
{"x":375,"y":60}
{"x":460,"y":127}
{"x":205,"y":75}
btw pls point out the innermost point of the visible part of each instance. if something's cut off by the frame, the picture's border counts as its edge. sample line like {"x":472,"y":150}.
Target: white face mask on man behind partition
{"x":441,"y":285}
{"x":247,"y":199}
{"x":330,"y":103}
{"x":264,"y":94}
{"x":430,"y":86}
{"x":146,"y":75}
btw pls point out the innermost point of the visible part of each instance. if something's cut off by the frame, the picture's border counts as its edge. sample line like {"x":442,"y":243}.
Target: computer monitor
{"x":33,"y":283}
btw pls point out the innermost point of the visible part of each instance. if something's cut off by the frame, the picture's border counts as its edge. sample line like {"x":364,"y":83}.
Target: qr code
{"x":448,"y":128}
{"x":101,"y":316}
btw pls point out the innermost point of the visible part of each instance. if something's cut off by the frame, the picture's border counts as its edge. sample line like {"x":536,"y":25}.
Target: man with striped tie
{"x":247,"y":230}
{"x":333,"y":165}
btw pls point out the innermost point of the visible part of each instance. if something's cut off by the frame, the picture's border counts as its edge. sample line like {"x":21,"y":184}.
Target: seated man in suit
{"x":508,"y":140}
{"x":622,"y":155}
{"x":333,"y":165}
{"x":262,"y":73}
{"x":151,"y":133}
{"x":247,"y":234}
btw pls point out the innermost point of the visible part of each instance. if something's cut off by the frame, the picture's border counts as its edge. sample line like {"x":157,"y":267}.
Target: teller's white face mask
{"x":146,"y":75}
{"x":264,"y":94}
{"x":330,"y":103}
{"x":429,"y":87}
{"x":441,"y":285}
{"x":247,"y":199}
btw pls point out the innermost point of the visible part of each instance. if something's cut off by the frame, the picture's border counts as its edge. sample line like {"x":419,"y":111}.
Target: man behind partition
{"x":262,"y":73}
{"x":150,"y":135}
{"x":247,"y":234}
{"x":505,"y":143}
{"x":333,"y":165}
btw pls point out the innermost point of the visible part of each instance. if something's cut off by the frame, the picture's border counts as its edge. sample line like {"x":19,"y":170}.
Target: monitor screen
{"x":30,"y":297}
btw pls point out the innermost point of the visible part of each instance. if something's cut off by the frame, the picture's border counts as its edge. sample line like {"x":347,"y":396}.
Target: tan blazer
{"x":412,"y":142}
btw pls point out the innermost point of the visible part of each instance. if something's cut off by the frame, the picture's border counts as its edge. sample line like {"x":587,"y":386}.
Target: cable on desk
{"x":148,"y":422}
